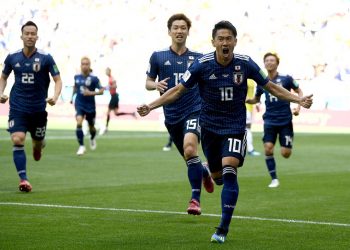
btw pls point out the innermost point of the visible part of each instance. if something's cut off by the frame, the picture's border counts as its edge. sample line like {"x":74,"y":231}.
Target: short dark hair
{"x":179,"y":16}
{"x":224,"y":25}
{"x":29,"y":23}
{"x":272,"y":54}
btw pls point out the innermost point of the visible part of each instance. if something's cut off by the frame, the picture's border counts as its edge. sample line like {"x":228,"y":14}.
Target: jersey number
{"x":234,"y":145}
{"x":178,"y":77}
{"x":40,"y":132}
{"x":226,"y":93}
{"x":191,"y":124}
{"x":28,"y":78}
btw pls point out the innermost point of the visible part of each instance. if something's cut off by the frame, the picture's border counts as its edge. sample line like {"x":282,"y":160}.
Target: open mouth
{"x":225,"y":51}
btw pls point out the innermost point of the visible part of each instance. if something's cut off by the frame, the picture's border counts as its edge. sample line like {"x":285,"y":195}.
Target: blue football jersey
{"x":90,"y":82}
{"x":32,"y":80}
{"x":166,"y":63}
{"x":278,"y":111}
{"x":223,"y":90}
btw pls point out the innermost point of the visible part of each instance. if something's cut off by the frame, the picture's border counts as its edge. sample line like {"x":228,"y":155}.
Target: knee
{"x":17,"y":140}
{"x":286,"y":153}
{"x":190,"y":151}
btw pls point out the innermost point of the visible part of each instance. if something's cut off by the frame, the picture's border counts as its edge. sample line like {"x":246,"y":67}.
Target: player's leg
{"x":79,"y":131}
{"x":38,"y":130}
{"x":233,"y":153}
{"x":18,"y":127}
{"x":90,"y":117}
{"x":167,"y":146}
{"x":269,"y":139}
{"x":286,"y":136}
{"x":250,"y":146}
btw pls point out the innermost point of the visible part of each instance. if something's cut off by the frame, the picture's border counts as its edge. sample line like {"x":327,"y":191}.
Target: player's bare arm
{"x":161,"y":86}
{"x":296,"y":110}
{"x":170,"y":96}
{"x":92,"y":93}
{"x":3,"y":82}
{"x":58,"y":87}
{"x":283,"y":94}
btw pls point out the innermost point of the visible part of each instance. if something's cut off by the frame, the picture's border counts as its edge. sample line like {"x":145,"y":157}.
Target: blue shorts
{"x":188,"y":125}
{"x":215,"y":147}
{"x":114,"y":102}
{"x":89,"y":116}
{"x":285,"y":133}
{"x":34,"y":123}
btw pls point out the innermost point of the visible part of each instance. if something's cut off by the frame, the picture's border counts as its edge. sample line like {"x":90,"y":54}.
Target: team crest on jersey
{"x":237,"y":77}
{"x":88,"y":81}
{"x":237,"y":67}
{"x":36,"y":66}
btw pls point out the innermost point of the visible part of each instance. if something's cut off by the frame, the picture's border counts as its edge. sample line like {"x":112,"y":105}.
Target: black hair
{"x":29,"y":23}
{"x":224,"y":25}
{"x":179,"y":16}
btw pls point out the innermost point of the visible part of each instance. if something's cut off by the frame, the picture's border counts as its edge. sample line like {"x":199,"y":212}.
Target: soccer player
{"x":222,"y":80}
{"x":28,"y":97}
{"x":85,"y":85}
{"x":278,"y":116}
{"x":114,"y":102}
{"x":250,"y":107}
{"x":181,"y":116}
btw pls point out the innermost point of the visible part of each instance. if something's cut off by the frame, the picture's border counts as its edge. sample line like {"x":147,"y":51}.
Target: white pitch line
{"x":174,"y":213}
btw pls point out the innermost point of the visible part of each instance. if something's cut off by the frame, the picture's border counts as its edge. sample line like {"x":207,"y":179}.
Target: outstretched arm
{"x":296,"y":110}
{"x":168,"y":97}
{"x":283,"y":94}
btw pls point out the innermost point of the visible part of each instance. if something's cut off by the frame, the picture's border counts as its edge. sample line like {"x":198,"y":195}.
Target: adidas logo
{"x":167,"y":63}
{"x":212,"y":77}
{"x":17,"y":65}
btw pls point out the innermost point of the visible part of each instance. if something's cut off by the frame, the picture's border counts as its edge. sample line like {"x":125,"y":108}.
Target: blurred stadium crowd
{"x":311,"y":38}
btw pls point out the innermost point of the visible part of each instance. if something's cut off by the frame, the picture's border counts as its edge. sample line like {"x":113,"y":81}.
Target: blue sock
{"x":194,"y":171}
{"x":92,"y":133}
{"x":229,"y":195}
{"x":271,"y":166}
{"x":80,"y":135}
{"x":20,"y":160}
{"x":206,"y":172}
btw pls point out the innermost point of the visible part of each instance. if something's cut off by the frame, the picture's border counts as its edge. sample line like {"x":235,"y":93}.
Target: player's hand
{"x":3,"y":98}
{"x":306,"y":101}
{"x":296,"y":111}
{"x":162,"y":85}
{"x":143,"y":110}
{"x":87,"y":92}
{"x":51,"y":100}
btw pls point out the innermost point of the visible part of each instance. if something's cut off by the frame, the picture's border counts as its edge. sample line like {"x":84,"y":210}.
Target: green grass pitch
{"x":129,"y":194}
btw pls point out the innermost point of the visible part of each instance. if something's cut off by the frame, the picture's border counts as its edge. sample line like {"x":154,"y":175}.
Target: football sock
{"x":194,"y":172}
{"x":80,"y":135}
{"x":229,"y":195}
{"x":250,"y":146}
{"x":271,"y":166}
{"x":205,"y":172}
{"x":108,"y":118}
{"x":20,"y":160}
{"x":92,"y":133}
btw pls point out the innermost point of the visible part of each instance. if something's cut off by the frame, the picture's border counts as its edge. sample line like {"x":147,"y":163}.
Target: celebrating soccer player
{"x":222,"y":80}
{"x":181,"y":116}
